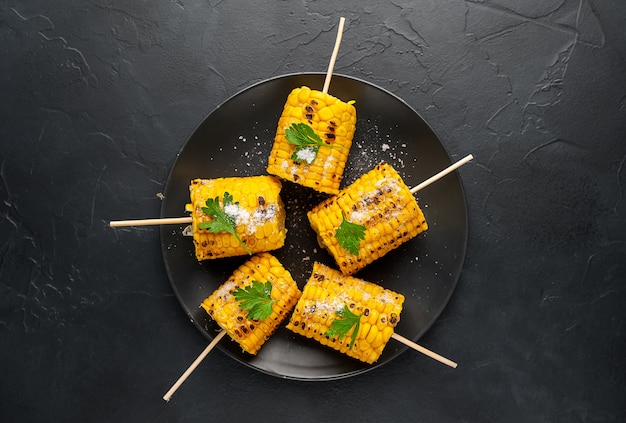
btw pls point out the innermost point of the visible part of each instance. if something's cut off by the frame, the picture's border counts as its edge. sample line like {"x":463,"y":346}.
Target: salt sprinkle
{"x":243,"y":217}
{"x":306,"y":154}
{"x":226,"y":288}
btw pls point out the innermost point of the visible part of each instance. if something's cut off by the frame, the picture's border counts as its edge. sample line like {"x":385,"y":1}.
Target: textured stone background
{"x":98,"y":96}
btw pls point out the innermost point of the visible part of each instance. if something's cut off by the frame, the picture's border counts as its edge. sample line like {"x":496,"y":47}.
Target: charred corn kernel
{"x":326,"y":293}
{"x":222,"y":306}
{"x":259,"y":214}
{"x":330,"y":118}
{"x":381,"y":202}
{"x":382,"y":321}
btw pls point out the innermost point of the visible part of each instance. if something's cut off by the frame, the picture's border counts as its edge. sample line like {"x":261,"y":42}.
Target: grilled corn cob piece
{"x":330,"y":118}
{"x":380,"y":202}
{"x":324,"y":297}
{"x":257,"y":209}
{"x":229,"y":313}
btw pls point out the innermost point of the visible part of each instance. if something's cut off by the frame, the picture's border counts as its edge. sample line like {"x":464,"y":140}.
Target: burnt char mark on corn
{"x":222,"y":306}
{"x":328,"y":291}
{"x":378,"y":200}
{"x":330,"y":118}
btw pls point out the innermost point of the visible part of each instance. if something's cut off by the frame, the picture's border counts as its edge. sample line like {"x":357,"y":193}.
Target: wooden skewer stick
{"x":193,"y":366}
{"x":331,"y":65}
{"x":441,"y":174}
{"x":188,"y":219}
{"x":423,"y":350}
{"x":144,"y":222}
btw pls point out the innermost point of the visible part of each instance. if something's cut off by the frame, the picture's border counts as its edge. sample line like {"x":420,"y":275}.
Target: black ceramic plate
{"x":235,"y":140}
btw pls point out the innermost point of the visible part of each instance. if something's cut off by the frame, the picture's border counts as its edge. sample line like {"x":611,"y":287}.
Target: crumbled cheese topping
{"x":331,"y":304}
{"x":251,"y":221}
{"x":225,"y":289}
{"x":306,"y":155}
{"x":238,"y":213}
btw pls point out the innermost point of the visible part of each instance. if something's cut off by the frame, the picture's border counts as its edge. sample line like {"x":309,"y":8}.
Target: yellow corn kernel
{"x":364,"y":329}
{"x":373,"y":317}
{"x":371,"y":335}
{"x":378,"y":200}
{"x":327,"y":292}
{"x":387,"y":332}
{"x":260,"y":216}
{"x":378,"y":340}
{"x":333,"y":120}
{"x":222,"y":306}
{"x":382,"y":321}
{"x":325,"y":114}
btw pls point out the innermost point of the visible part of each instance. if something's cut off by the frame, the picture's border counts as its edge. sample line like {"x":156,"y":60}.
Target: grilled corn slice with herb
{"x":236,"y":216}
{"x":313,"y":140}
{"x":254,"y":301}
{"x":348,"y":314}
{"x":369,"y":218}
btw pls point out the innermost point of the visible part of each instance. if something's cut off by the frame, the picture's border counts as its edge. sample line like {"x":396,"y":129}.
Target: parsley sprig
{"x":349,"y":235}
{"x":223,"y":222}
{"x":257,"y":299}
{"x":307,"y":142}
{"x":341,"y":327}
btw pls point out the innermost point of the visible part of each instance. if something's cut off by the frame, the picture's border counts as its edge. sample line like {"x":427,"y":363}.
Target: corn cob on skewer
{"x":229,"y":313}
{"x":382,"y":204}
{"x":256,"y":208}
{"x":330,"y":118}
{"x":324,"y":297}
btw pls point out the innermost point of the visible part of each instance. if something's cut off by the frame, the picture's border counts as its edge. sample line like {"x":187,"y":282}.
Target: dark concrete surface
{"x":98,"y":96}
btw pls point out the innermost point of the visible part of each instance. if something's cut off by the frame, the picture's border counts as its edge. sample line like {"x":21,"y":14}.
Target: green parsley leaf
{"x":341,"y":327}
{"x":307,"y":142}
{"x":223,"y":222}
{"x":349,"y":235}
{"x":257,"y":299}
{"x":301,"y":134}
